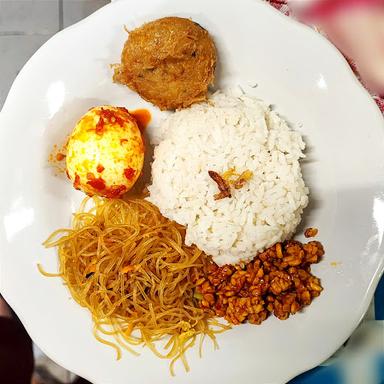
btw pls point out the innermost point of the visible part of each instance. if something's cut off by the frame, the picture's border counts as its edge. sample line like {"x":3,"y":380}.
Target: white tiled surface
{"x":15,"y":50}
{"x":29,"y":16}
{"x":75,"y":10}
{"x":26,"y":24}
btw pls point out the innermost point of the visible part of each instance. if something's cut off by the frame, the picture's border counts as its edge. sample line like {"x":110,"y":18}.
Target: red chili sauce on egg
{"x":142,"y":117}
{"x":95,"y":182}
{"x":129,"y":173}
{"x":108,"y":116}
{"x":115,"y":191}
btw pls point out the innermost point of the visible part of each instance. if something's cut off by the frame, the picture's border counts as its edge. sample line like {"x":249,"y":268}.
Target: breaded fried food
{"x":169,"y":62}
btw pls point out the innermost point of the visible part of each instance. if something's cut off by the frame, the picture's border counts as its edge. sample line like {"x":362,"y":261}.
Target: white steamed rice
{"x":225,"y":132}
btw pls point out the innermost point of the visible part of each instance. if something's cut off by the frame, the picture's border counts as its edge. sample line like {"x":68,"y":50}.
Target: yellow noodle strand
{"x":130,"y":267}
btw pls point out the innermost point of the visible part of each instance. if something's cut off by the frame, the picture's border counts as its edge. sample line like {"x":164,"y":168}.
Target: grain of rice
{"x":230,"y":131}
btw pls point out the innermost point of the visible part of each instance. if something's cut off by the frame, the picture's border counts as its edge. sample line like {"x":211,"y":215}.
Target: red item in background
{"x":356,"y":28}
{"x":325,"y":8}
{"x":358,"y":32}
{"x":281,"y":5}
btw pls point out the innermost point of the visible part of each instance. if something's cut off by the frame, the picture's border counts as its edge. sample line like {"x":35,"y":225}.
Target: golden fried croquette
{"x":169,"y":62}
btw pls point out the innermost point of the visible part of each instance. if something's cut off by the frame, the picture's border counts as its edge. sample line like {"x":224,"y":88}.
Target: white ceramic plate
{"x":309,"y":83}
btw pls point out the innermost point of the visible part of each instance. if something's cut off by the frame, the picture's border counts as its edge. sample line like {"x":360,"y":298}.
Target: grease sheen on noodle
{"x":130,"y":267}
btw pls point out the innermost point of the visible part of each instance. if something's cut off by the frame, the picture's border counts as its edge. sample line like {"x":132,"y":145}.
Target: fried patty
{"x":169,"y":62}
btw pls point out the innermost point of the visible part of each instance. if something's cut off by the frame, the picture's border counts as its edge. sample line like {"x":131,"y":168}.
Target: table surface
{"x":26,"y":24}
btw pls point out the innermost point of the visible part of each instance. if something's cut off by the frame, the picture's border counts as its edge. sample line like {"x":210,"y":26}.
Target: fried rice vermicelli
{"x":130,"y":267}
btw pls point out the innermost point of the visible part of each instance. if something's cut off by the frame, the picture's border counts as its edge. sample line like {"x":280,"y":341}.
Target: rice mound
{"x":230,"y":131}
